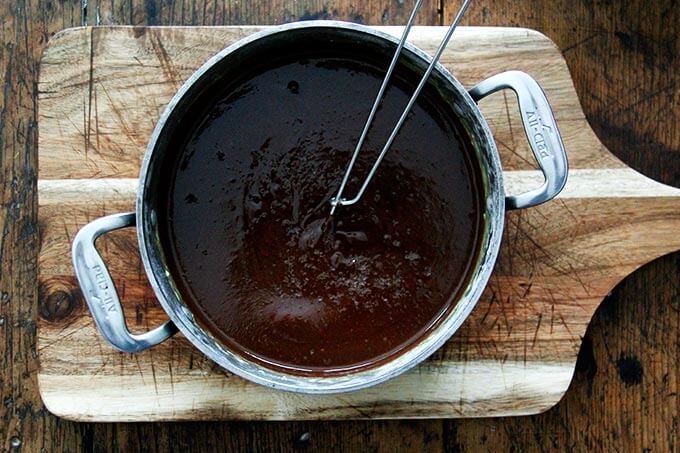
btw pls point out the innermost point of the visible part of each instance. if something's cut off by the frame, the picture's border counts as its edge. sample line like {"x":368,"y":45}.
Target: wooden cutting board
{"x":101,"y":91}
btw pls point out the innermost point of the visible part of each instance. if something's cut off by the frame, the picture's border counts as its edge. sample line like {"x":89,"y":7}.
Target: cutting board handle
{"x":100,"y":292}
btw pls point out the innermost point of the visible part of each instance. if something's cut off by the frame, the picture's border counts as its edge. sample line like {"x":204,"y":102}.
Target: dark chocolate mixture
{"x":256,"y":254}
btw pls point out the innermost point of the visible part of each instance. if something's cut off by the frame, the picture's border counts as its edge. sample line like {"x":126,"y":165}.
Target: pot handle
{"x":100,"y":293}
{"x":541,"y":130}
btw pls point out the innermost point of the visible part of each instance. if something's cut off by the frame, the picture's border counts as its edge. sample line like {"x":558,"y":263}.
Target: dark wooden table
{"x":625,"y":60}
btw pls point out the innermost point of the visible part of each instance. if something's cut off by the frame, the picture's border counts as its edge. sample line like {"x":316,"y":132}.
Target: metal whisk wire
{"x":338,"y":200}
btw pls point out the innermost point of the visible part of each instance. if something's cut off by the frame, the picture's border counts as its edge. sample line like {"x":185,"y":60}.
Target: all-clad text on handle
{"x":541,"y":129}
{"x":101,"y":295}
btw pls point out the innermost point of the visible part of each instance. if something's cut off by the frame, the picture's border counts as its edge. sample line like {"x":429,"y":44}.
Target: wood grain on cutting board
{"x":101,"y":91}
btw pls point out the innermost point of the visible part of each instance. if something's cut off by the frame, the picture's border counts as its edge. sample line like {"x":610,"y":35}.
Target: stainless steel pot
{"x":97,"y":284}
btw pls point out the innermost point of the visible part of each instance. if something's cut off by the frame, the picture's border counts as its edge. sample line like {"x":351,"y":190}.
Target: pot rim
{"x":169,"y":298}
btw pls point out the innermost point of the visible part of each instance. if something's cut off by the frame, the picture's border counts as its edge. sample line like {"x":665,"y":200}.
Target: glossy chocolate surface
{"x":246,"y":226}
